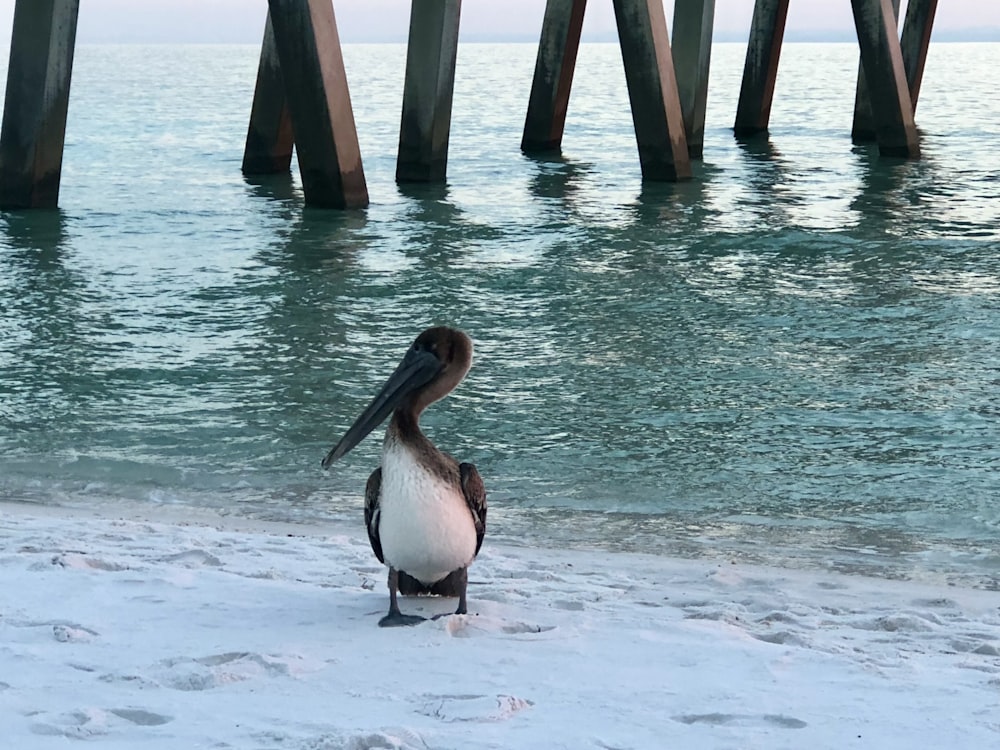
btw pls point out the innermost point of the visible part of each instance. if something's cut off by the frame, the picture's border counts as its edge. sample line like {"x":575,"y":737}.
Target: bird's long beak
{"x":416,"y":370}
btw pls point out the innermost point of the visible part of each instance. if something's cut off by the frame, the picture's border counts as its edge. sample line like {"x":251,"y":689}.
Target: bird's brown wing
{"x":475,"y":496}
{"x":373,"y":489}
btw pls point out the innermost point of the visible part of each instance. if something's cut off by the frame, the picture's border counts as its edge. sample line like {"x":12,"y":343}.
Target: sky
{"x":242,"y":21}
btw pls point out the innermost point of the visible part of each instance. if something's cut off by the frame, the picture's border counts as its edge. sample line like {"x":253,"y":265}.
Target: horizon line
{"x":988,"y":34}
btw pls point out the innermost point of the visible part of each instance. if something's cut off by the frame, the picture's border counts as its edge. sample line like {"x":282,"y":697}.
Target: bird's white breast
{"x":425,"y":526}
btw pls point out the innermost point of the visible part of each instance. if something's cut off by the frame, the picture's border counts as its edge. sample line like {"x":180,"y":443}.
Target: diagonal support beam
{"x":915,"y":42}
{"x":425,"y":125}
{"x":34,"y":118}
{"x":692,"y":51}
{"x":863,"y":128}
{"x":312,"y":69}
{"x":270,"y":139}
{"x":767,"y":30}
{"x":882,"y":60}
{"x":652,"y":90}
{"x":554,"y":66}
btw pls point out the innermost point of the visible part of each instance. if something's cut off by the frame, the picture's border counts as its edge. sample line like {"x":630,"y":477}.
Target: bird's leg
{"x":461,"y":581}
{"x":396,"y":618}
{"x":464,"y":584}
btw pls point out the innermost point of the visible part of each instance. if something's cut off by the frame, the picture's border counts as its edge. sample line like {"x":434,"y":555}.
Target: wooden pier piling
{"x":863,"y":126}
{"x":692,"y":49}
{"x":767,"y":31}
{"x":554,"y":66}
{"x":915,"y":41}
{"x":652,"y":90}
{"x":427,"y":93}
{"x":302,"y":102}
{"x":270,"y":138}
{"x":315,"y":84}
{"x":882,"y":60}
{"x":649,"y":74}
{"x":37,"y":103}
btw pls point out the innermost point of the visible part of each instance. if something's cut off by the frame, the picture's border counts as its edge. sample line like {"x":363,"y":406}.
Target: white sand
{"x":217,"y":633}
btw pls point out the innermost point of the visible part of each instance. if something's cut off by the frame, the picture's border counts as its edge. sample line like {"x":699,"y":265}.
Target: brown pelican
{"x":425,"y":511}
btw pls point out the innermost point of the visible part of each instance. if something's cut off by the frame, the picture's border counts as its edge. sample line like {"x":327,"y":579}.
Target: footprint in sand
{"x":141,"y":717}
{"x":142,"y":683}
{"x":975,"y":643}
{"x":743,"y":720}
{"x":80,"y":561}
{"x":194,"y":558}
{"x":464,"y":626}
{"x":936,"y":603}
{"x":522,"y":628}
{"x":81,"y":724}
{"x":401,"y":739}
{"x":473,"y":708}
{"x":94,"y":722}
{"x":782,"y":638}
{"x":830,"y":586}
{"x":65,"y":632}
{"x":387,"y":739}
{"x":207,"y":672}
{"x":539,"y":576}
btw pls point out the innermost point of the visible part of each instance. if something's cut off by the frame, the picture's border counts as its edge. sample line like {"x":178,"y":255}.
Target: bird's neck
{"x":404,"y":432}
{"x":405,"y":425}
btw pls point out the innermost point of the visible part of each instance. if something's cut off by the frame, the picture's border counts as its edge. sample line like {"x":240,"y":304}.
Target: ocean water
{"x":794,"y":358}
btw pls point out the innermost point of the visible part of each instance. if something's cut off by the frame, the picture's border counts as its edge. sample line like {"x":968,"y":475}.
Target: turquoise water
{"x":794,"y":358}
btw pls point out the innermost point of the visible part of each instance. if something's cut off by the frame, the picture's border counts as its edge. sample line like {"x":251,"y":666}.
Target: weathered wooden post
{"x":315,"y":84}
{"x":554,"y":66}
{"x":427,"y":92}
{"x":915,"y":42}
{"x":863,"y":127}
{"x":270,"y":139}
{"x":652,"y":89}
{"x":692,"y":50}
{"x":882,"y":60}
{"x":760,"y":71}
{"x":37,"y":103}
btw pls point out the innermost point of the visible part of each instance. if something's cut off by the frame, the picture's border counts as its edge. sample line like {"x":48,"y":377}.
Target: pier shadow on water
{"x":436,"y":231}
{"x":48,"y":349}
{"x":42,"y":230}
{"x":279,"y":187}
{"x":895,"y":196}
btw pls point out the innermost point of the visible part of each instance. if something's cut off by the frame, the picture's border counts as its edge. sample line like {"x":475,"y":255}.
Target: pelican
{"x":425,"y":512}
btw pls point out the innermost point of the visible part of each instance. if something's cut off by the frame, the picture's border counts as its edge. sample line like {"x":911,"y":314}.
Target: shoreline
{"x":848,"y":549}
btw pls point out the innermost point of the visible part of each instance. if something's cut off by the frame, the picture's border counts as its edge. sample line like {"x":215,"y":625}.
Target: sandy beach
{"x":169,"y":628}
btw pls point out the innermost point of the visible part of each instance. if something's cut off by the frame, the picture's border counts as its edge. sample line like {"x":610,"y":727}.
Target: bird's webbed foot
{"x":398,"y":619}
{"x":395,"y":618}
